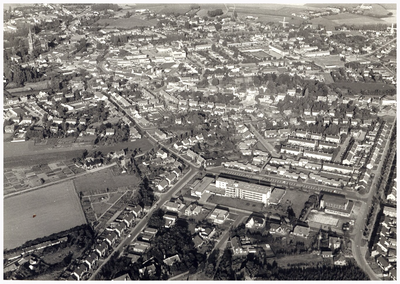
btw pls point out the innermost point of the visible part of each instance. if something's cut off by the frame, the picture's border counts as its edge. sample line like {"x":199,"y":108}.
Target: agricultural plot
{"x":24,"y":178}
{"x":130,"y":23}
{"x":41,"y":213}
{"x":351,"y":19}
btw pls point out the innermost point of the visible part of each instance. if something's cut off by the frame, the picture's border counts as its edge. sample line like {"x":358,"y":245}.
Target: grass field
{"x":95,"y":183}
{"x":302,"y":259}
{"x":56,"y":207}
{"x":351,"y":19}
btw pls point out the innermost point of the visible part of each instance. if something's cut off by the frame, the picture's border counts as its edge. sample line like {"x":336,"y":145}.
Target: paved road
{"x":136,"y":230}
{"x":154,"y":140}
{"x":265,"y":143}
{"x":338,"y":158}
{"x":359,"y":252}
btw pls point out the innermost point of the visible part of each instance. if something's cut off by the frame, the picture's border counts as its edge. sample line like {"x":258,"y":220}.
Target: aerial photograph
{"x":199,"y":141}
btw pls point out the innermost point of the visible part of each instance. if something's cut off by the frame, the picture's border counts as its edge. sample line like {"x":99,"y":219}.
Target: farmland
{"x":17,"y":179}
{"x":351,"y":19}
{"x":130,"y":23}
{"x":56,"y":207}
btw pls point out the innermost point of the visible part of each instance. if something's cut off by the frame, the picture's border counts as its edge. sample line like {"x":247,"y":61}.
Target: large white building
{"x":244,"y":190}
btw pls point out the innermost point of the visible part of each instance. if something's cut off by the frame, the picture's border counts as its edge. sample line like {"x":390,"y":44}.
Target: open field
{"x":100,"y":208}
{"x":301,"y":259}
{"x":95,"y":183}
{"x":130,"y":23}
{"x":358,"y":86}
{"x":296,"y":199}
{"x":352,"y":19}
{"x":57,"y":208}
{"x":27,"y":153}
{"x":126,"y":180}
{"x":171,"y":8}
{"x":236,"y":203}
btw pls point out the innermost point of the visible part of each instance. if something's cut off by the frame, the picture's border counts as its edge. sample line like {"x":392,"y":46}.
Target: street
{"x":265,"y":143}
{"x":136,"y":230}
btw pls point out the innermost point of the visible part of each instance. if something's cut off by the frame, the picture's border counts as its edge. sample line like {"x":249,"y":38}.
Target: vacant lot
{"x":295,"y":199}
{"x":56,"y":208}
{"x":236,"y":203}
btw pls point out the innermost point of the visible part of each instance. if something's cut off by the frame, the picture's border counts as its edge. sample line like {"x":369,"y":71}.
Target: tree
{"x":215,"y":82}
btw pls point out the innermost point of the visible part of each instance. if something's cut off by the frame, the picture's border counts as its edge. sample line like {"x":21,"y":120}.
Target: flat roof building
{"x":244,"y":190}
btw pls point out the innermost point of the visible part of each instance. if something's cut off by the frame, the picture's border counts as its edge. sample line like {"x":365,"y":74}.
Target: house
{"x":333,"y":138}
{"x":137,"y":210}
{"x":26,"y":119}
{"x":193,"y":209}
{"x":197,"y":241}
{"x":151,"y":231}
{"x":10,"y":128}
{"x":334,"y":243}
{"x":383,"y":263}
{"x":301,"y":231}
{"x":79,"y":272}
{"x":389,"y":211}
{"x":124,"y":277}
{"x":172,"y":259}
{"x":393,"y":273}
{"x":172,"y":206}
{"x":255,"y":222}
{"x":160,"y":135}
{"x":120,"y":228}
{"x":162,"y":185}
{"x":340,"y":260}
{"x":161,"y":154}
{"x":169,"y":220}
{"x":71,"y":121}
{"x":218,"y":216}
{"x":171,"y":178}
{"x":111,"y":238}
{"x":326,"y":254}
{"x":101,"y":249}
{"x":128,"y":219}
{"x":90,"y":260}
{"x":151,"y":270}
{"x":110,"y":131}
